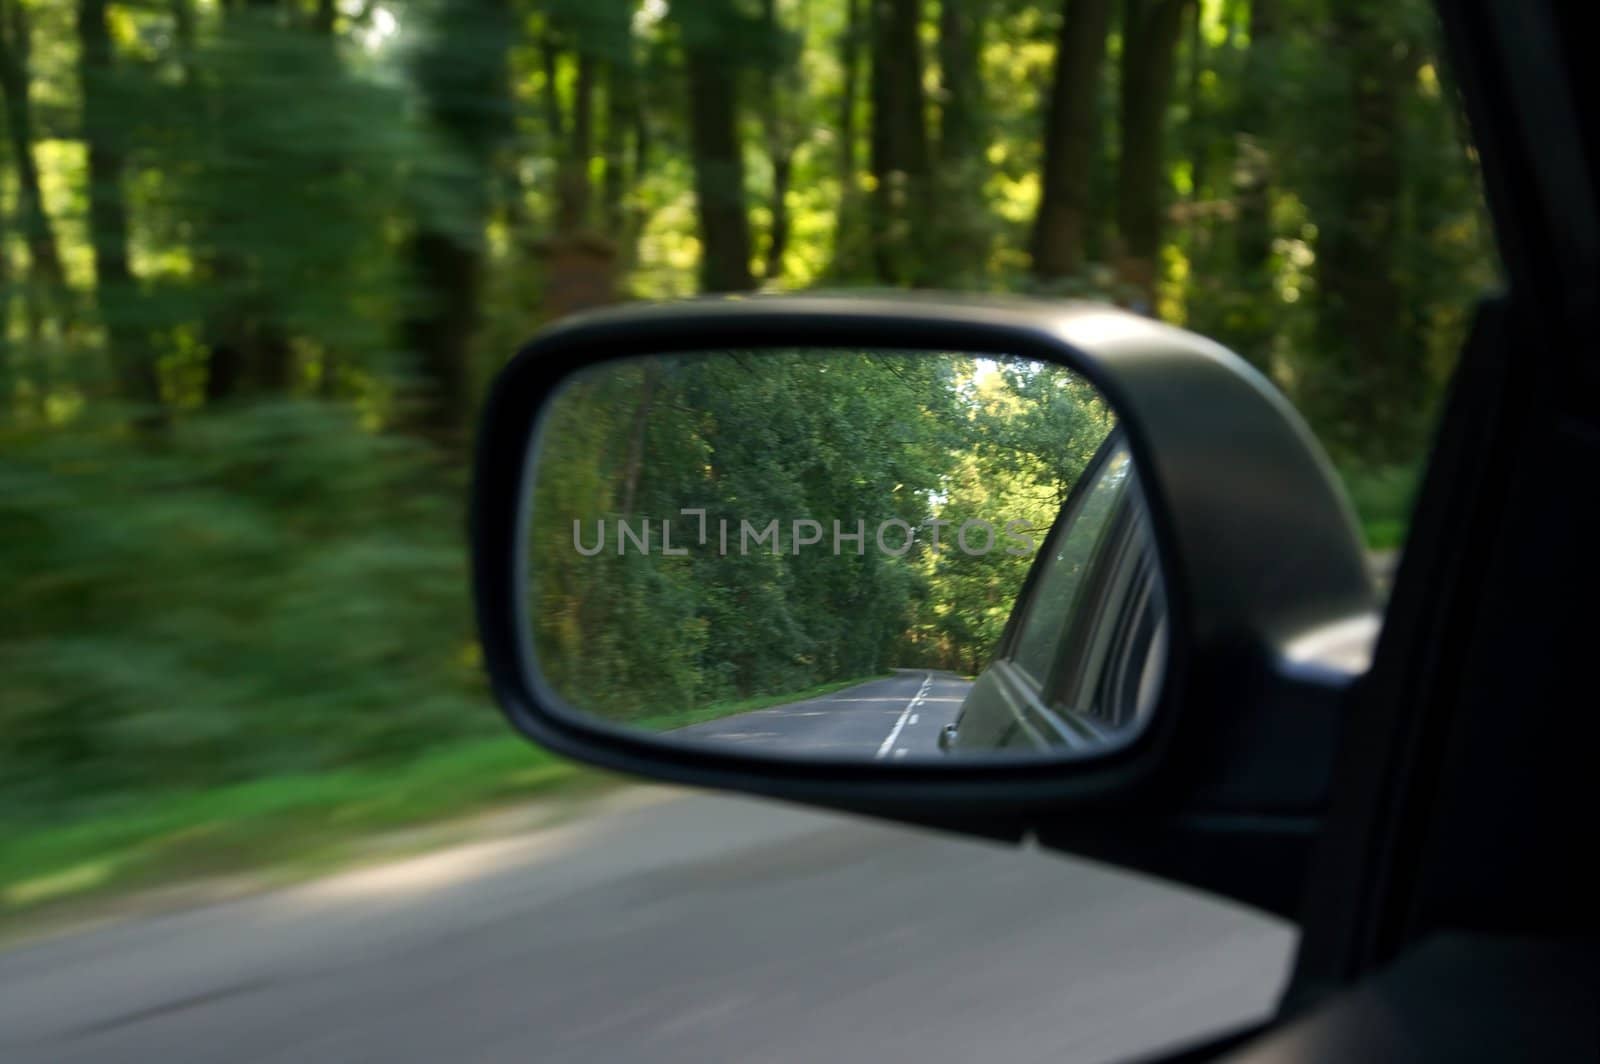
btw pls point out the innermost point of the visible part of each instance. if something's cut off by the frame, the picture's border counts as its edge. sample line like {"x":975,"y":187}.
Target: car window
{"x":1056,"y":593}
{"x":1116,"y":638}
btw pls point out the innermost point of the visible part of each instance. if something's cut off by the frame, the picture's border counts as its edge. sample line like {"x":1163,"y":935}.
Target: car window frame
{"x":1125,"y":575}
{"x":1032,"y":585}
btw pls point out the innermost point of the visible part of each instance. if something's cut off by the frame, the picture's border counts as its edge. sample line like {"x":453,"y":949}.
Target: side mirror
{"x":985,"y":565}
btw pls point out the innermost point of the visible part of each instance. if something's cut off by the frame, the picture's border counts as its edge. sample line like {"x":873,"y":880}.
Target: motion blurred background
{"x":259,"y":258}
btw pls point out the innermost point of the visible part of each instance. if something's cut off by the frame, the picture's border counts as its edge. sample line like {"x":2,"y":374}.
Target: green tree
{"x":116,"y":288}
{"x":1070,"y":140}
{"x":16,"y":47}
{"x":304,"y":233}
{"x":901,"y":160}
{"x":461,"y":72}
{"x":1150,"y":34}
{"x":712,"y":33}
{"x":1370,"y":378}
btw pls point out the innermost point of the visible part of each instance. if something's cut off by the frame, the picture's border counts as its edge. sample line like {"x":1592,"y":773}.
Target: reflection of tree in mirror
{"x":719,"y":528}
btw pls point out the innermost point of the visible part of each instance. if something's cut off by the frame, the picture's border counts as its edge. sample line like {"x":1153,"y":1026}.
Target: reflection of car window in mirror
{"x":1115,"y":633}
{"x":1061,"y":574}
{"x":818,"y":552}
{"x":1087,"y":649}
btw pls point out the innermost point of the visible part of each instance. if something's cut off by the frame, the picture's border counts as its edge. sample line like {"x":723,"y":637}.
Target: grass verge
{"x":1383,"y":498}
{"x":289,"y":826}
{"x":253,"y":826}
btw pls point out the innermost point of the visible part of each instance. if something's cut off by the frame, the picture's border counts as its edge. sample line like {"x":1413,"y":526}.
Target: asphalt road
{"x":666,"y":927}
{"x":895,"y":717}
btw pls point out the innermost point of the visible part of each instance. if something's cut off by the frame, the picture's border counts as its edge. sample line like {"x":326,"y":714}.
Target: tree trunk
{"x":116,"y":289}
{"x":850,"y":61}
{"x":1070,"y":139}
{"x":323,"y":21}
{"x":1365,"y":391}
{"x":848,"y":257}
{"x":714,"y":147}
{"x":778,"y":239}
{"x":778,"y":82}
{"x":224,"y":371}
{"x":900,"y":161}
{"x":465,"y":93}
{"x":225,"y":350}
{"x":550,"y":60}
{"x":1253,"y":165}
{"x":961,"y":107}
{"x":449,"y":268}
{"x":574,"y":178}
{"x":249,"y":353}
{"x":639,"y":429}
{"x":37,"y":232}
{"x":960,"y":239}
{"x":620,"y":103}
{"x":638,"y":166}
{"x":248,"y":348}
{"x":7,"y":379}
{"x":1151,"y":30}
{"x":574,"y":138}
{"x":1197,"y":141}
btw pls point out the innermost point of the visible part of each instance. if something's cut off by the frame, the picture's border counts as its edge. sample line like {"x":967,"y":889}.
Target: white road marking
{"x":899,"y":725}
{"x":913,"y":719}
{"x":901,"y":752}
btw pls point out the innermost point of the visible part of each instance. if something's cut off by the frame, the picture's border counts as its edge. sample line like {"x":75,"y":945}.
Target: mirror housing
{"x":1272,"y":607}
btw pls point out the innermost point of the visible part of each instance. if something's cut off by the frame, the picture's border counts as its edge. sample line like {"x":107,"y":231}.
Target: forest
{"x":259,"y":259}
{"x":711,"y":528}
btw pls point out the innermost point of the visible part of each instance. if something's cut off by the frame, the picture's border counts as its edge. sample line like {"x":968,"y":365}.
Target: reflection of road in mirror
{"x":896,"y":717}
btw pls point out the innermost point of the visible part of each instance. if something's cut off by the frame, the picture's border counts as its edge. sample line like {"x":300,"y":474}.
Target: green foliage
{"x":271,"y":590}
{"x":1384,"y":497}
{"x":765,"y":442}
{"x":1031,"y":433}
{"x":330,"y":225}
{"x":298,"y":823}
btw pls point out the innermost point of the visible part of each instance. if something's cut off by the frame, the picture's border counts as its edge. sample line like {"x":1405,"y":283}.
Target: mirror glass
{"x":844,"y":555}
